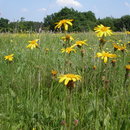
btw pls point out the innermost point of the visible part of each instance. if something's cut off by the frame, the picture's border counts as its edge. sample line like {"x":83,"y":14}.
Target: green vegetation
{"x":83,"y":21}
{"x":32,"y":99}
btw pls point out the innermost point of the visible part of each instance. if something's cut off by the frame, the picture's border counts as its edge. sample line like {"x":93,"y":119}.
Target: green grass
{"x":30,"y":99}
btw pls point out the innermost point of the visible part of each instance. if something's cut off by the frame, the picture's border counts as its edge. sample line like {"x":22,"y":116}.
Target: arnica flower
{"x":113,"y":63}
{"x":102,"y":30}
{"x":79,"y":43}
{"x":9,"y":57}
{"x":105,"y":55}
{"x":33,"y":44}
{"x":119,"y":47}
{"x":69,"y":79}
{"x":65,"y":23}
{"x":68,"y":50}
{"x":127,"y":32}
{"x":54,"y":73}
{"x":94,"y":67}
{"x":127,"y":67}
{"x":67,"y":38}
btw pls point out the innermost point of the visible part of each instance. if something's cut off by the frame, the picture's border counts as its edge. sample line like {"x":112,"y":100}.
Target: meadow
{"x":32,"y":98}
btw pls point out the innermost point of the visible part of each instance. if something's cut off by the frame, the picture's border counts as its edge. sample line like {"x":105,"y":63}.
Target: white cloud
{"x":42,"y":10}
{"x":127,"y":4}
{"x":24,"y":10}
{"x":72,"y":3}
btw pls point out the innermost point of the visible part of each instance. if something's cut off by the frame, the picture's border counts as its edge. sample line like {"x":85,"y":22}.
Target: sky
{"x":36,"y":10}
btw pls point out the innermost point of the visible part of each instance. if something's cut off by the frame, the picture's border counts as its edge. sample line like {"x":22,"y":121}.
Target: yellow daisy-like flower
{"x":79,"y":43}
{"x":105,"y":55}
{"x":127,"y":32}
{"x":54,"y":72}
{"x":9,"y":57}
{"x":65,"y":23}
{"x":119,"y":47}
{"x":69,"y":77}
{"x":127,"y":67}
{"x":102,"y":30}
{"x":68,"y":50}
{"x":67,"y":38}
{"x":33,"y":44}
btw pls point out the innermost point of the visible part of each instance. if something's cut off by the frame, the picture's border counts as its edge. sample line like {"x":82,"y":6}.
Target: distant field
{"x":31,"y":98}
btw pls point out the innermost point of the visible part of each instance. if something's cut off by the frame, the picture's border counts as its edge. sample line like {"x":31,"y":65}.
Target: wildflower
{"x":102,"y":42}
{"x":119,"y":47}
{"x":67,"y":38}
{"x":102,"y":30}
{"x":68,"y":50}
{"x":33,"y":44}
{"x":65,"y":23}
{"x":94,"y":67}
{"x":54,"y":73}
{"x":127,"y":32}
{"x":127,"y":67}
{"x":127,"y":73}
{"x":113,"y":63}
{"x":9,"y":57}
{"x":79,"y":43}
{"x":105,"y":55}
{"x":69,"y":79}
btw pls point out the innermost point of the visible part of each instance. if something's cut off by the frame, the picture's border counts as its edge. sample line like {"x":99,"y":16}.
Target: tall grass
{"x":31,"y":99}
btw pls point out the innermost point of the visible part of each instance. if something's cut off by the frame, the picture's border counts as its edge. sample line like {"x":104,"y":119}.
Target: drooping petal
{"x":67,"y":80}
{"x":105,"y":59}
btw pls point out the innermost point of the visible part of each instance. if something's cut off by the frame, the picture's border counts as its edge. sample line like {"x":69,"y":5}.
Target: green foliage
{"x":125,"y":20}
{"x":3,"y":25}
{"x":83,"y":21}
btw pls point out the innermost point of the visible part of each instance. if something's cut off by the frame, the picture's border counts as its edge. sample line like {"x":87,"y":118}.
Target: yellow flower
{"x":65,"y":23}
{"x":105,"y":55}
{"x":127,"y":32}
{"x":127,"y":67}
{"x":119,"y":47}
{"x":67,"y":38}
{"x":79,"y":43}
{"x":33,"y":44}
{"x":102,"y":30}
{"x":9,"y":57}
{"x":69,"y":77}
{"x":68,"y":50}
{"x":54,"y":72}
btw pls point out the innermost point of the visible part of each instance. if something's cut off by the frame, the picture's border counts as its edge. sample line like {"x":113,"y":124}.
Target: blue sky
{"x":36,"y":10}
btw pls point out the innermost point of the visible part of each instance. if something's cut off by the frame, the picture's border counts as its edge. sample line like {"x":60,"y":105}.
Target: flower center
{"x":103,"y":29}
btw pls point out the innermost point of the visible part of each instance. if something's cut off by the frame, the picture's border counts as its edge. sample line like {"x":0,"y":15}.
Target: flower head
{"x":119,"y":47}
{"x":127,"y":32}
{"x":33,"y":44}
{"x":9,"y":57}
{"x":54,"y":72}
{"x":79,"y":43}
{"x":127,"y":67}
{"x":105,"y":55}
{"x":68,"y":50}
{"x":102,"y":30}
{"x":65,"y":23}
{"x":69,"y":78}
{"x":67,"y":38}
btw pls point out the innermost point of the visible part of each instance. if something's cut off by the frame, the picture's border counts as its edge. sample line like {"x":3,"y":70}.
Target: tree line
{"x":83,"y":21}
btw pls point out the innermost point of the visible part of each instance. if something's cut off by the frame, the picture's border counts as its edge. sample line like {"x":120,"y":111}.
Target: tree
{"x":125,"y":20}
{"x":83,"y":21}
{"x":4,"y":24}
